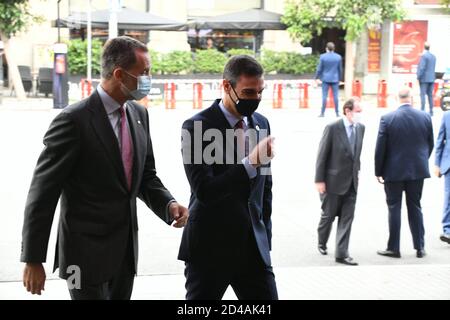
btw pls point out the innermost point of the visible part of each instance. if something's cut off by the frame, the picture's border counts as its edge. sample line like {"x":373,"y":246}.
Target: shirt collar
{"x":109,"y":103}
{"x":231,"y":118}
{"x":347,"y":123}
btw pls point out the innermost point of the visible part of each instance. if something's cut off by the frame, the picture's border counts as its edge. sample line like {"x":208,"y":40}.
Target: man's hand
{"x":380,"y":180}
{"x":34,"y":278}
{"x":437,"y":171}
{"x":317,"y":82}
{"x":321,"y":187}
{"x":262,"y":153}
{"x":179,"y":213}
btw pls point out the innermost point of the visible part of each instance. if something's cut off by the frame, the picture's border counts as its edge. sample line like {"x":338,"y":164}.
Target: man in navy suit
{"x":404,"y":145}
{"x":329,"y":72}
{"x":227,"y":240}
{"x":426,"y":77}
{"x":442,"y":167}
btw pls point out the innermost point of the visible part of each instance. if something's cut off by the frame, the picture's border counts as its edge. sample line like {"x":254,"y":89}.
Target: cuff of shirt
{"x":169,"y":219}
{"x":251,"y":170}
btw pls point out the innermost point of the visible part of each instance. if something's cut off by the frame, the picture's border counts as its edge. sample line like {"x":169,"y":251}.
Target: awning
{"x":128,"y":19}
{"x":251,"y":19}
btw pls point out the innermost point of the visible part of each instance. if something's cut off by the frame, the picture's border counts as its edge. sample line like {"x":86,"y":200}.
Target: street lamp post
{"x":114,"y":7}
{"x":89,"y":42}
{"x":59,"y":27}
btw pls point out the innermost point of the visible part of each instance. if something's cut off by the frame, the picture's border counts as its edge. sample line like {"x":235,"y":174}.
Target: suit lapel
{"x":254,"y":124}
{"x":343,"y":136}
{"x":139,"y":141}
{"x":220,"y":117}
{"x":358,"y":141}
{"x":106,"y":135}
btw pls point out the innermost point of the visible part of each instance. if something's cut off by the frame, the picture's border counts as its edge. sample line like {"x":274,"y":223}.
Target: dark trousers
{"x":119,"y":287}
{"x":249,"y":277}
{"x":325,"y":88}
{"x":342,"y":206}
{"x":413,"y":191}
{"x":426,"y":88}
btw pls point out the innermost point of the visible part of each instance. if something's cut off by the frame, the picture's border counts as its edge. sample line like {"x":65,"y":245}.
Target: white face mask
{"x":356,"y":117}
{"x":144,"y":85}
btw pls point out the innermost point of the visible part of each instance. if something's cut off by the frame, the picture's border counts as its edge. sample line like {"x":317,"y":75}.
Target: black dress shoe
{"x":421,"y":253}
{"x":389,"y":253}
{"x":322,"y":249}
{"x":445,"y":237}
{"x":348,"y":261}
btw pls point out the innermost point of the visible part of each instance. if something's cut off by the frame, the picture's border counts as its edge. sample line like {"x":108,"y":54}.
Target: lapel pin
{"x":139,"y":121}
{"x":257,"y":127}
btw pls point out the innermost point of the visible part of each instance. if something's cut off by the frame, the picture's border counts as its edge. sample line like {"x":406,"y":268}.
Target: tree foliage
{"x":307,"y":18}
{"x":15,"y":16}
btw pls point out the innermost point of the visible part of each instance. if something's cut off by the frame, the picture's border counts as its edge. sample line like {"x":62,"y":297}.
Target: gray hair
{"x":242,"y":65}
{"x":404,"y":93}
{"x":120,"y":52}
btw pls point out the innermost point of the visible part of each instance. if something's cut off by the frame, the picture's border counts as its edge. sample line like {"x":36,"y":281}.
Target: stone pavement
{"x":400,"y":282}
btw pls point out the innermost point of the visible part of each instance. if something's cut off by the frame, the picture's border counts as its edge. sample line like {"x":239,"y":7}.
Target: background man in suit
{"x":98,"y":157}
{"x":442,"y":167}
{"x":404,"y":144}
{"x":227,"y":239}
{"x":329,"y":72}
{"x":337,"y":172}
{"x":426,"y":77}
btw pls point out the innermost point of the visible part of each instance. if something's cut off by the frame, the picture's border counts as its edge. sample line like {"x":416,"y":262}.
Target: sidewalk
{"x":400,"y":282}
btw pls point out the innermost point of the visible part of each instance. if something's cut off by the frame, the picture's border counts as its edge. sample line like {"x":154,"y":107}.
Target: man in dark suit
{"x":442,"y":168}
{"x":337,"y":173}
{"x":329,"y":72}
{"x":404,"y":145}
{"x":426,"y":77}
{"x":227,"y":239}
{"x":98,"y":158}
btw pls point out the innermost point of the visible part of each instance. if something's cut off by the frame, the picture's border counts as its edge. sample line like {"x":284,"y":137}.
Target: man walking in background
{"x":426,"y":77}
{"x":442,"y":168}
{"x":337,"y":174}
{"x":329,"y":72}
{"x":403,"y":147}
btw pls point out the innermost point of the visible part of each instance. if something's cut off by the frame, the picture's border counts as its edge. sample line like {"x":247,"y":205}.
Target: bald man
{"x":404,"y":145}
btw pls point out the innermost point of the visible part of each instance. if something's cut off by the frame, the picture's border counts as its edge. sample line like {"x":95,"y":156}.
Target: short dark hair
{"x":330,"y":46}
{"x":242,"y":65}
{"x":120,"y":52}
{"x":349,"y":105}
{"x":427,"y":46}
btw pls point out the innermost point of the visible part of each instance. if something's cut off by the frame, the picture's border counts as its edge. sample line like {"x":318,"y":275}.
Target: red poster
{"x":409,"y":38}
{"x":374,"y":49}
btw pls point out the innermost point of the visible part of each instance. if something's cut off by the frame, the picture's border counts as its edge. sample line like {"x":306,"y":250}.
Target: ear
{"x":118,"y":74}
{"x":226,"y":85}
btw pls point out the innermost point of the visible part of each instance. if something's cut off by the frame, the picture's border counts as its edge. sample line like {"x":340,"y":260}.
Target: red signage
{"x":409,"y":39}
{"x":374,"y":49}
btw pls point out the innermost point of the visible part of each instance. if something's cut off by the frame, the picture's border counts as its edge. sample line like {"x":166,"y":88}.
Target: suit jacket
{"x":336,"y":165}
{"x":404,"y":144}
{"x":426,"y":68}
{"x":226,"y":207}
{"x":81,"y":164}
{"x":330,"y":67}
{"x":442,"y":152}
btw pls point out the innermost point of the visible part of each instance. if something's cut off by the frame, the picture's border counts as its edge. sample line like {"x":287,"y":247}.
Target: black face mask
{"x":245,"y":107}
